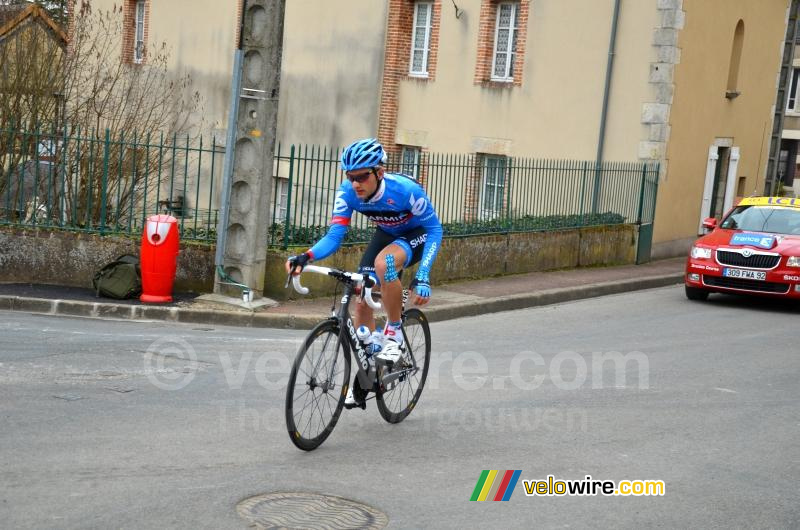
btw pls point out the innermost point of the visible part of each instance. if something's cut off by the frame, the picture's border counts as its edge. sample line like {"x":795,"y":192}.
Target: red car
{"x":754,"y":250}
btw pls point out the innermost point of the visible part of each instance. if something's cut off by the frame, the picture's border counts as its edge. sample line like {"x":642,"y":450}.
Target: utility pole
{"x":248,"y":171}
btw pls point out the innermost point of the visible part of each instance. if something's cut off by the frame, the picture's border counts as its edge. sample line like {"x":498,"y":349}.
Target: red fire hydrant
{"x":159,"y":258}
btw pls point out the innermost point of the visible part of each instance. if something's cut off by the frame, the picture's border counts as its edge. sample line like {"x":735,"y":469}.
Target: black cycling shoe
{"x":356,"y":397}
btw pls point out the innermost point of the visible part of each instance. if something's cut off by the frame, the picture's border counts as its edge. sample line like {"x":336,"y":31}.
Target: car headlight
{"x":702,"y":253}
{"x":793,"y":261}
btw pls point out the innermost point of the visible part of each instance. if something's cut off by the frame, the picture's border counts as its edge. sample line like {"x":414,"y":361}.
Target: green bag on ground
{"x":119,"y":279}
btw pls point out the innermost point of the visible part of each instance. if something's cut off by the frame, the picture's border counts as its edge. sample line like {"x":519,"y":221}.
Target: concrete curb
{"x":272,"y":320}
{"x":547,"y":297}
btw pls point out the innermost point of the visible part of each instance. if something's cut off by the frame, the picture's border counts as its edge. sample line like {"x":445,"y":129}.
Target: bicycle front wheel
{"x":397,"y":399}
{"x":317,"y":386}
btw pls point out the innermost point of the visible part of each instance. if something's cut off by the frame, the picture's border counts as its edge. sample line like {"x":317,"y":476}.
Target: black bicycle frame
{"x":366,"y":372}
{"x":347,"y":332}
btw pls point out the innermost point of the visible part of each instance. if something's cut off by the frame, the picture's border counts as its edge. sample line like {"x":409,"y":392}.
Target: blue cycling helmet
{"x":363,"y":154}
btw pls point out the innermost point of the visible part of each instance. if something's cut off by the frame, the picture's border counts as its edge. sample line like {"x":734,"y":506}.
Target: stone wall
{"x":68,"y":258}
{"x":71,"y":258}
{"x":483,"y":256}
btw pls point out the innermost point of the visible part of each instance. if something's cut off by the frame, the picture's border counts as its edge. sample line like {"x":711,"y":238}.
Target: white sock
{"x":392,"y":331}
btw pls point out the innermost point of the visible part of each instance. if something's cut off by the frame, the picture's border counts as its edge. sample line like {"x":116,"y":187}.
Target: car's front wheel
{"x":693,"y":293}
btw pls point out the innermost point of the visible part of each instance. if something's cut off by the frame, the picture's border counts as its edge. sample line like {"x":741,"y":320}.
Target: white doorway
{"x":719,"y":190}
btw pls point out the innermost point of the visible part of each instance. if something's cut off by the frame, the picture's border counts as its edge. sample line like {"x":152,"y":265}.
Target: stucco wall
{"x":556,"y":111}
{"x":467,"y":258}
{"x":331,"y":67}
{"x":333,"y":61}
{"x":201,"y":46}
{"x":331,"y":71}
{"x":200,"y":38}
{"x":67,"y":258}
{"x":701,"y":113}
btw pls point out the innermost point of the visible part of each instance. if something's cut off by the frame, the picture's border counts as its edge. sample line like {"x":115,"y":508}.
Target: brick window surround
{"x":422,"y":164}
{"x":475,"y":188}
{"x":70,"y":20}
{"x":493,"y":186}
{"x":425,"y":16}
{"x":486,"y":32}
{"x":129,"y":31}
{"x":397,"y":60}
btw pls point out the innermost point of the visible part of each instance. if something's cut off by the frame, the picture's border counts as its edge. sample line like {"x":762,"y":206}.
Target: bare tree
{"x":112,"y":125}
{"x":112,"y":100}
{"x":31,"y":69}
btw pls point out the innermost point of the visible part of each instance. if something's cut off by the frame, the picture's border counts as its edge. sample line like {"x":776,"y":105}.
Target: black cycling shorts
{"x":412,"y":241}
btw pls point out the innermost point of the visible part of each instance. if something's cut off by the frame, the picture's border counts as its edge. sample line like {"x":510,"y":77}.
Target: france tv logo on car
{"x":755,"y":240}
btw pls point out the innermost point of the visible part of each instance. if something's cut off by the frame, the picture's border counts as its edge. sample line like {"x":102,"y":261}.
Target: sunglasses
{"x":362,"y":177}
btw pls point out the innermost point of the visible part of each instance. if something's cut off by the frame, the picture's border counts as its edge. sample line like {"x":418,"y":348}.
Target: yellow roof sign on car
{"x":771,"y":201}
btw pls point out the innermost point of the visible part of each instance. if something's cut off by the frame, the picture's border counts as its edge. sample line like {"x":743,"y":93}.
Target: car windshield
{"x":774,"y":219}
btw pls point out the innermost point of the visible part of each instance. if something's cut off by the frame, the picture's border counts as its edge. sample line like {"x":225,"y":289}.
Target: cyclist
{"x":408,"y":232}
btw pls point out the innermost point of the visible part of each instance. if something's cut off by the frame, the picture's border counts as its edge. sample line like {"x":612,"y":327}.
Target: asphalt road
{"x":113,"y":424}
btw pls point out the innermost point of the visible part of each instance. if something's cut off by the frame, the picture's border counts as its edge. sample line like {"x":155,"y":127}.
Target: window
{"x":138,"y":44}
{"x":494,"y":185}
{"x":409,"y":161}
{"x":281,"y":198}
{"x":505,"y":42}
{"x":792,"y":103}
{"x":502,"y":32}
{"x":421,"y":38}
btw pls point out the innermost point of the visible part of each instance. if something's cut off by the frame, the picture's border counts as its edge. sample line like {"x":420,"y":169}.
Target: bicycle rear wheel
{"x":317,"y":386}
{"x":396,"y":400}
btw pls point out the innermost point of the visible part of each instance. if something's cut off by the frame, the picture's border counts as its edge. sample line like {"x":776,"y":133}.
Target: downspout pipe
{"x":230,"y":143}
{"x":604,"y":112}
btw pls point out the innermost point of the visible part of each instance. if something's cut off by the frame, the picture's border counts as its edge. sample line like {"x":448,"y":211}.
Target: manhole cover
{"x":309,"y":510}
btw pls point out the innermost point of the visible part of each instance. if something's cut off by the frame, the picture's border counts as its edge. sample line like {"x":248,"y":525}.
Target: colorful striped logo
{"x":496,"y":485}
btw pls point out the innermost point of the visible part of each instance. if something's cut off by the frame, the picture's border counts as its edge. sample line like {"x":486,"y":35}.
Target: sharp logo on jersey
{"x":339,"y":205}
{"x":429,"y":257}
{"x":418,"y":240}
{"x":417,"y":205}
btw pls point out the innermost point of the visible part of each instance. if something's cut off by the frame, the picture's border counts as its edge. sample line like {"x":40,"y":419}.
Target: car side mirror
{"x":709,"y":223}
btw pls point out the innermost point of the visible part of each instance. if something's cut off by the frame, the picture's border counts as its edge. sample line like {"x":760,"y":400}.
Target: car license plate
{"x":744,"y":273}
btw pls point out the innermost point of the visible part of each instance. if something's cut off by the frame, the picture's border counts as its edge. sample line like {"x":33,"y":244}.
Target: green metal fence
{"x":93,"y":181}
{"x":99,"y":182}
{"x":473,"y":194}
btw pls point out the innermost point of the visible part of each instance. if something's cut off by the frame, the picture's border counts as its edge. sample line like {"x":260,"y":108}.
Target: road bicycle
{"x":320,"y":374}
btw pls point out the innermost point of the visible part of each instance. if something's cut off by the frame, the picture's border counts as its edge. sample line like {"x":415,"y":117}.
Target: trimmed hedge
{"x":308,"y":235}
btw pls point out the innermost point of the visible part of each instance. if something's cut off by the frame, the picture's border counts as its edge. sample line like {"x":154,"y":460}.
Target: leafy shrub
{"x":308,"y":235}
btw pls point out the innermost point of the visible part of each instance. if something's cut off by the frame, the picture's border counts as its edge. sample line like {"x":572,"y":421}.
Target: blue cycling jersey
{"x":398,"y":206}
